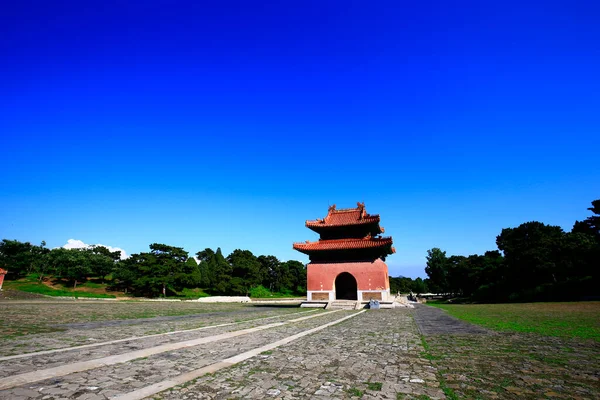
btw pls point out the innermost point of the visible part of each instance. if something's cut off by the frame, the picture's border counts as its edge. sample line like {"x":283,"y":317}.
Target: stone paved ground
{"x":432,"y":320}
{"x":59,"y":324}
{"x":36,"y":362}
{"x":155,"y":320}
{"x":377,"y":355}
{"x":125,"y":377}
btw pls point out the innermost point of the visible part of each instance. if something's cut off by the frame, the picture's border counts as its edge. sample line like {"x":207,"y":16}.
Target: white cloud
{"x":78,"y":244}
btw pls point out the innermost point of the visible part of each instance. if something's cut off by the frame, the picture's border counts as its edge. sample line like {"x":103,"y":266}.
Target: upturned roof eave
{"x":343,"y":244}
{"x":318,"y":224}
{"x":384,"y":251}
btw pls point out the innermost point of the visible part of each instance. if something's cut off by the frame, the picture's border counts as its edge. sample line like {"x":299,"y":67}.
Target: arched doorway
{"x":345,"y":287}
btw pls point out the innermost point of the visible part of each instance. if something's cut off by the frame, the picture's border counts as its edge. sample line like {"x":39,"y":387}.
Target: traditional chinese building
{"x":347,"y":262}
{"x":2,"y":273}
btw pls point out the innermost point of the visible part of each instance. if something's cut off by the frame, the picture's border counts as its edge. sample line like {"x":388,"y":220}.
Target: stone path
{"x":228,"y":362}
{"x":374,"y":354}
{"x":160,"y":338}
{"x":432,"y":320}
{"x":154,"y":320}
{"x":83,"y":336}
{"x":113,"y":352}
{"x":125,"y":377}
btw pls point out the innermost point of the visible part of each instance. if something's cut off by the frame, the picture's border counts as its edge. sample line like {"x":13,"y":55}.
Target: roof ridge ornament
{"x":361,"y":208}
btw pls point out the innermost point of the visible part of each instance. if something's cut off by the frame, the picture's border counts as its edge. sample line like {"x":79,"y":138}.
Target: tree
{"x":578,"y":256}
{"x":126,"y":273}
{"x":271,"y":272}
{"x":222,"y":274}
{"x":41,"y":260}
{"x":492,"y":268}
{"x":296,"y":272}
{"x":591,"y":225}
{"x":17,"y":257}
{"x":539,"y":262}
{"x":206,"y":266}
{"x":102,"y":261}
{"x":400,"y":284}
{"x":99,"y":249}
{"x":138,"y":272}
{"x":164,"y":268}
{"x":419,"y":286}
{"x":531,"y":253}
{"x":73,"y":265}
{"x":169,"y":264}
{"x":456,"y":270}
{"x":246,"y":268}
{"x":189,"y":277}
{"x":437,"y":268}
{"x":285,"y":280}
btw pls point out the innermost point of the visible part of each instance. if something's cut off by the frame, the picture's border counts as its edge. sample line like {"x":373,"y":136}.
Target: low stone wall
{"x":223,"y":299}
{"x":278,"y":301}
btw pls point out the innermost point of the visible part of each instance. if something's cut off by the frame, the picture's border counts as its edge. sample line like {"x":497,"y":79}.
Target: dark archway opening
{"x":345,"y":287}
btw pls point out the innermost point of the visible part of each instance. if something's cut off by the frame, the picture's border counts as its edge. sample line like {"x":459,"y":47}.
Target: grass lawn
{"x":569,"y":320}
{"x":261,"y":292}
{"x":538,"y":351}
{"x":96,"y":288}
{"x":195,"y":293}
{"x":88,"y":290}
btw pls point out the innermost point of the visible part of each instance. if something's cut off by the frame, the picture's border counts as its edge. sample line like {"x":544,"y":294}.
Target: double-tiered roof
{"x":347,"y":234}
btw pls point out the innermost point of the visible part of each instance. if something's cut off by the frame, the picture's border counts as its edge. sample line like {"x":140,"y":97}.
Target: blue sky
{"x":207,"y":124}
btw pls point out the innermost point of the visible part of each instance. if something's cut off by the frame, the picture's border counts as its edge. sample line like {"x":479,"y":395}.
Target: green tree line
{"x":534,"y":262}
{"x":404,"y":285}
{"x":162,"y":271}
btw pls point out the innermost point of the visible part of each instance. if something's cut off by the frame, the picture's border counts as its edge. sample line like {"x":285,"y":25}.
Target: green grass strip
{"x":48,"y":291}
{"x":429,"y":356}
{"x":567,"y":320}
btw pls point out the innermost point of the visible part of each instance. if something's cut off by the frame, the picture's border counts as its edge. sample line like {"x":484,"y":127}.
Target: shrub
{"x":260,"y":292}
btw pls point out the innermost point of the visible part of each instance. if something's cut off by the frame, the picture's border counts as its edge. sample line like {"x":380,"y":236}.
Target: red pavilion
{"x":347,"y":262}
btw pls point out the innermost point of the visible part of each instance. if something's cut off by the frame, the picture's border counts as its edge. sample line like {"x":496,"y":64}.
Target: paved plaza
{"x":246,"y":352}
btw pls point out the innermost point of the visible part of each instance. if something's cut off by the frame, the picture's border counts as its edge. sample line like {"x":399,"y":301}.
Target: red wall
{"x":368,"y":275}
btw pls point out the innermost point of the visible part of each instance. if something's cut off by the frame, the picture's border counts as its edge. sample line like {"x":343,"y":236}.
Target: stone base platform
{"x":361,"y":305}
{"x":313,"y":304}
